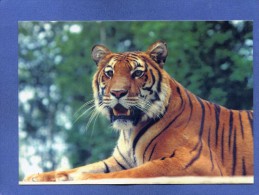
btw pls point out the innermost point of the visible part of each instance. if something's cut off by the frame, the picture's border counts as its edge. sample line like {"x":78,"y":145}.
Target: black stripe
{"x":234,"y":154}
{"x":123,"y":156}
{"x":124,"y":168}
{"x":134,"y":64}
{"x":241,"y":124}
{"x":159,"y":81}
{"x":222,"y":145}
{"x":201,"y":124}
{"x":96,"y":82}
{"x":107,"y":170}
{"x":196,"y":157}
{"x":159,"y":75}
{"x":211,"y":158}
{"x":162,"y":158}
{"x":217,"y":115}
{"x":191,"y":106}
{"x":172,"y":155}
{"x":116,"y":56}
{"x":128,"y":64}
{"x":135,"y":60}
{"x":219,"y":168}
{"x":98,"y":89}
{"x":250,"y":120}
{"x":195,"y":147}
{"x":243,"y":166}
{"x":171,"y":122}
{"x":100,"y":99}
{"x":156,"y":98}
{"x":151,"y":153}
{"x":230,"y":129}
{"x":179,"y":92}
{"x":202,"y":117}
{"x":138,"y":65}
{"x":145,"y":79}
{"x":146,"y":67}
{"x":134,"y":57}
{"x":153,"y":82}
{"x":140,"y":134}
{"x":102,"y":90}
{"x":208,"y":104}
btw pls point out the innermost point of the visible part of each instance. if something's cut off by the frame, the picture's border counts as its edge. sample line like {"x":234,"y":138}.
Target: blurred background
{"x":214,"y":60}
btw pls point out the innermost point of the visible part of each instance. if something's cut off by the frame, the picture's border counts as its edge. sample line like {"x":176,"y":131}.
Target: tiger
{"x":164,"y":129}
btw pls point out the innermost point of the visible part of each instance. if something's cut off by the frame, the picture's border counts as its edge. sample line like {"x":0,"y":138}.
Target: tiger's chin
{"x":125,"y":125}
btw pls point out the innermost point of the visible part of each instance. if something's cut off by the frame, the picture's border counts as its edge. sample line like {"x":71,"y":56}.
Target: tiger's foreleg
{"x":170,"y":166}
{"x":105,"y":166}
{"x":155,"y":168}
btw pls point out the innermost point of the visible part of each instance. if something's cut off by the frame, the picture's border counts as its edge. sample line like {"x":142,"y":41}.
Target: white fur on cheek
{"x":157,"y":108}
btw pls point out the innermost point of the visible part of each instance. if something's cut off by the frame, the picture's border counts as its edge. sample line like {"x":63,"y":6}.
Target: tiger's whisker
{"x":95,"y":113}
{"x":83,"y":106}
{"x":98,"y":114}
{"x":85,"y":112}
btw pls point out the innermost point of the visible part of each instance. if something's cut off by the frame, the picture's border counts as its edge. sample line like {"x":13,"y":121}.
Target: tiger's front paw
{"x":47,"y":177}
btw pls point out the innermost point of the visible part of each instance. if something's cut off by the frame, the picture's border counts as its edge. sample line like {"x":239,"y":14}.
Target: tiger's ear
{"x":99,"y":52}
{"x":158,"y":52}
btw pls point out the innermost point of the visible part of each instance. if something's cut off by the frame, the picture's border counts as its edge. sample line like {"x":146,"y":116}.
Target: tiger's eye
{"x":109,"y":73}
{"x":138,"y":73}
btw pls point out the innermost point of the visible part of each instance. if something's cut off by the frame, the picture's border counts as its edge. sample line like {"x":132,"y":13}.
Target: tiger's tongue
{"x":120,"y":110}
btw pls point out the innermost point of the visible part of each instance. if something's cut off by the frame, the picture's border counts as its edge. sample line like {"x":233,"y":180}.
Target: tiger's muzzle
{"x":118,"y":112}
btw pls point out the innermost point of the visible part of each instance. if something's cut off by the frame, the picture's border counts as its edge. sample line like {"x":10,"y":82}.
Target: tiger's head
{"x":131,"y":87}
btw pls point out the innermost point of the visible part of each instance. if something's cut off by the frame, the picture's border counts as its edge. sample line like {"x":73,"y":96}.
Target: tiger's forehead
{"x":129,"y":58}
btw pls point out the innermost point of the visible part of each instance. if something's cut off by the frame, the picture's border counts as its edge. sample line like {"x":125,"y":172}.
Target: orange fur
{"x":176,"y":134}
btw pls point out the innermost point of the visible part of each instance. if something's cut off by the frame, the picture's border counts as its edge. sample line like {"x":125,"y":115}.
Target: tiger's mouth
{"x":119,"y":112}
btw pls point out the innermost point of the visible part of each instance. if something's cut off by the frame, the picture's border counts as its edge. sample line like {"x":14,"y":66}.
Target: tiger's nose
{"x":119,"y":93}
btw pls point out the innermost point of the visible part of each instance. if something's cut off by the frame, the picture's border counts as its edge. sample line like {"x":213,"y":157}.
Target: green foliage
{"x":211,"y":59}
